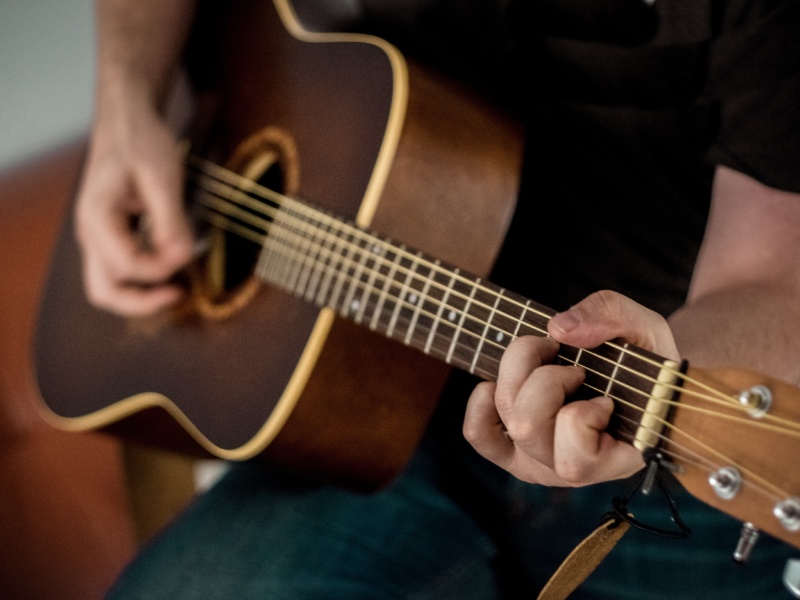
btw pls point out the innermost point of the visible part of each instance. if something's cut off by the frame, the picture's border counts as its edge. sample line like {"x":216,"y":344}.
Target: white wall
{"x":46,"y":75}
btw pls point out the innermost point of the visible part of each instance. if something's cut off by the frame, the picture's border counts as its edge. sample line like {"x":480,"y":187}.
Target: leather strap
{"x":584,"y":559}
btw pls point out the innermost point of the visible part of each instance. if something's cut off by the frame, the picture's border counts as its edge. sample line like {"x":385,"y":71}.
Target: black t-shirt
{"x":629,"y":106}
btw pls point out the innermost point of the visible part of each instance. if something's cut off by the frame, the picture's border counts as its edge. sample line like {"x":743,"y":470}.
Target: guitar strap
{"x":584,"y":559}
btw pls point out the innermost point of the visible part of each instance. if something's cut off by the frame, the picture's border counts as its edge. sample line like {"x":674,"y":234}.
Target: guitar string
{"x":603,"y":358}
{"x":620,"y":383}
{"x":283,"y":201}
{"x":316,"y":262}
{"x":667,"y":425}
{"x":319,"y":215}
{"x":611,"y":344}
{"x":674,"y":387}
{"x":766,"y":488}
{"x":688,"y":456}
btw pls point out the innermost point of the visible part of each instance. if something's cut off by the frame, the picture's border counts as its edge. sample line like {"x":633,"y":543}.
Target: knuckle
{"x":605,"y":304}
{"x":469,"y":431}
{"x":574,"y":473}
{"x":522,"y":431}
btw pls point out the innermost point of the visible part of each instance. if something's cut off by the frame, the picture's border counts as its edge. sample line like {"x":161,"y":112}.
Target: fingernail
{"x":565,"y":321}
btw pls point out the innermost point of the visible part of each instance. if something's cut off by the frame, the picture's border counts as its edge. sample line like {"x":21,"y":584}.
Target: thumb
{"x":607,"y":315}
{"x":169,"y":230}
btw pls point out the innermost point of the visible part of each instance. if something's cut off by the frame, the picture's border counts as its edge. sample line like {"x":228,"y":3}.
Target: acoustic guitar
{"x":350,"y":220}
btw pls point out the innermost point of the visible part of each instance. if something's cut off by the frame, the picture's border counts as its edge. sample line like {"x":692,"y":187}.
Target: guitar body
{"x":356,"y":130}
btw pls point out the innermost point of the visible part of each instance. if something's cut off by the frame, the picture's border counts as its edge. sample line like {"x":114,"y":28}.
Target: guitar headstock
{"x":734,"y":438}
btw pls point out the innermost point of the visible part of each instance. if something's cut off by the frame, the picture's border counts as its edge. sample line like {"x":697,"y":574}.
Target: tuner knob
{"x":726,"y":482}
{"x":747,"y":540}
{"x":757,"y":400}
{"x":791,"y":576}
{"x":788,"y":513}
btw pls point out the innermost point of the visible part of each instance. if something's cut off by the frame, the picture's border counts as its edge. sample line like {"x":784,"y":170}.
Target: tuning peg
{"x":791,"y":576}
{"x":747,"y":540}
{"x":726,"y":482}
{"x":788,"y":513}
{"x":757,"y":400}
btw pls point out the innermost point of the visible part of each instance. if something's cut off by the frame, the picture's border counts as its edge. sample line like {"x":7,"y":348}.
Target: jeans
{"x":446,"y":529}
{"x":260,"y":535}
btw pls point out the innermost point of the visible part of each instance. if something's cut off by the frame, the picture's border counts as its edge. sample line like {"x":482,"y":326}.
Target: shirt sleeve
{"x":754,"y":78}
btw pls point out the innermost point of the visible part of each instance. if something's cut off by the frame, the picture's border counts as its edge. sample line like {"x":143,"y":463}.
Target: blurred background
{"x":46,"y":75}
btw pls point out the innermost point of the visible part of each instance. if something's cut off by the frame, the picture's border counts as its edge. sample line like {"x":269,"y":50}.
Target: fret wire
{"x":347,"y":305}
{"x":316,"y":269}
{"x":401,"y":298}
{"x":307,"y":269}
{"x":578,"y":356}
{"x":293,"y":272}
{"x":460,"y":326}
{"x":423,"y":294}
{"x":441,"y":308}
{"x":393,"y":265}
{"x":328,"y":268}
{"x":346,"y":259}
{"x":615,"y":370}
{"x":275,"y":240}
{"x":485,"y":329}
{"x":521,"y":318}
{"x":369,"y":285}
{"x":268,"y":260}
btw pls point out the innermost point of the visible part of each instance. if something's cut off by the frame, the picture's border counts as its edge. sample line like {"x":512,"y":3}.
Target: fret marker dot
{"x":499,"y":337}
{"x":412,"y":298}
{"x":451,"y":315}
{"x":354,"y":305}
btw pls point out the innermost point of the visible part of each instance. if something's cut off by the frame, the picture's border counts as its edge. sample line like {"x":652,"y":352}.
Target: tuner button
{"x":726,"y":482}
{"x":791,"y":576}
{"x":757,"y":400}
{"x":788,"y":513}
{"x":747,"y":540}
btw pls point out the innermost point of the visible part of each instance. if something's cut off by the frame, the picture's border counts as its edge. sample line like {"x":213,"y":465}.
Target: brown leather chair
{"x":66,"y":528}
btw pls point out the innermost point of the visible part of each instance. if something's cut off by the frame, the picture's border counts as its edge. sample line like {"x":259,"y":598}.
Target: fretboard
{"x":422,"y":302}
{"x":410,"y":296}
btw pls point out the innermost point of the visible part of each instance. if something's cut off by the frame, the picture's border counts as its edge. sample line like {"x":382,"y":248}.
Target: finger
{"x":169,"y":229}
{"x":516,"y":380}
{"x":607,"y":315}
{"x":104,"y":229}
{"x":584,"y":451}
{"x":523,"y":355}
{"x":483,"y":428}
{"x":532,"y":419}
{"x":487,"y":435}
{"x":118,"y":252}
{"x":124,"y":298}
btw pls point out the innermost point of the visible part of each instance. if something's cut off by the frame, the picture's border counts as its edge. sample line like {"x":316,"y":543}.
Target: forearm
{"x":743,"y":308}
{"x":752,"y":326}
{"x":139,"y":44}
{"x":133,"y":167}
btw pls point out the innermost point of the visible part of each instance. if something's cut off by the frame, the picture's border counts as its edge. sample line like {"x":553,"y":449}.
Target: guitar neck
{"x":412,"y":297}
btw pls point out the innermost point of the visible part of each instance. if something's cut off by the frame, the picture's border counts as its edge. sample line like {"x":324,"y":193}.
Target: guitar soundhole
{"x":225,"y":280}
